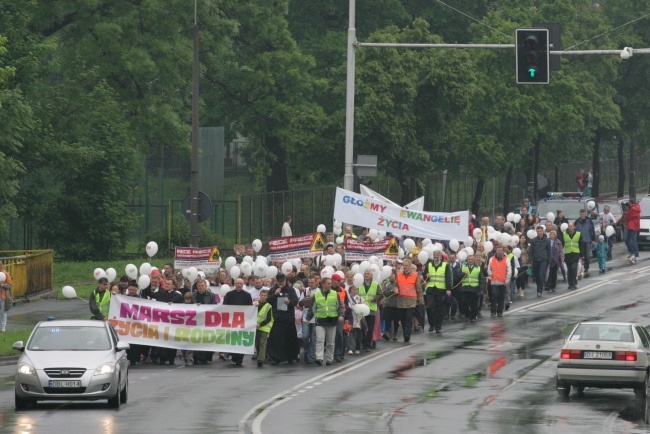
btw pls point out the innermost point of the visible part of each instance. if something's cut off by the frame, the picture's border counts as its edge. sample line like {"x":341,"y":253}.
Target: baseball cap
{"x":337,"y":277}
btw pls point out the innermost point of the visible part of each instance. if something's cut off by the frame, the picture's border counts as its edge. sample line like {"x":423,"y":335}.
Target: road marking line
{"x":562,"y":297}
{"x":284,"y":396}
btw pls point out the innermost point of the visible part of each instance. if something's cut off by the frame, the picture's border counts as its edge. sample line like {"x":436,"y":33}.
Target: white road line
{"x":561,"y":297}
{"x":286,"y":395}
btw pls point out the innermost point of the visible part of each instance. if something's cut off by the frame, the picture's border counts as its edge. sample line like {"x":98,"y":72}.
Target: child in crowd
{"x":357,"y":321}
{"x":451,"y":305}
{"x":601,"y":253}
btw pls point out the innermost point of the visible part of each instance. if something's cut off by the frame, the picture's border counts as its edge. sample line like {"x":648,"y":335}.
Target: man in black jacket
{"x":283,"y":339}
{"x":167,"y":295}
{"x":539,"y":257}
{"x":238,"y":297}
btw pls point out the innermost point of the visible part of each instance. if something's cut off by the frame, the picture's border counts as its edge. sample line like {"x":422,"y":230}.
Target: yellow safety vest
{"x":327,"y":306}
{"x":261,"y":316}
{"x":437,"y":277}
{"x":571,"y":245}
{"x":471,"y":277}
{"x":371,"y":292}
{"x":104,"y":303}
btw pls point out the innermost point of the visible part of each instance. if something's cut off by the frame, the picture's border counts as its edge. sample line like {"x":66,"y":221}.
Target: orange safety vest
{"x":406,"y":284}
{"x":499,"y":268}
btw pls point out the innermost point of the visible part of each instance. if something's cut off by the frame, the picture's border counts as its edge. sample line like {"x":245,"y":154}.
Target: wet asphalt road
{"x":495,"y":376}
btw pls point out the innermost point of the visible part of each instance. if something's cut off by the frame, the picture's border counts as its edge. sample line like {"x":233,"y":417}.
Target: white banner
{"x":417,"y":204}
{"x":354,"y":208}
{"x":208,"y":327}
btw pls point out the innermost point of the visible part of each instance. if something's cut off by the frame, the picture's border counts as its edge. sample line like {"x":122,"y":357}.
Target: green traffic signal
{"x":532,"y":56}
{"x":532,"y":72}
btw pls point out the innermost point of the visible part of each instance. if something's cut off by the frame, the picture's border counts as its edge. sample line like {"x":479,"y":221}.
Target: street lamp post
{"x":194,"y":169}
{"x":348,"y":179}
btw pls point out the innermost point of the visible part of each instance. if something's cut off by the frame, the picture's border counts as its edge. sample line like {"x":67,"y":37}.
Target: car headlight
{"x":26,"y":369}
{"x":107,"y":368}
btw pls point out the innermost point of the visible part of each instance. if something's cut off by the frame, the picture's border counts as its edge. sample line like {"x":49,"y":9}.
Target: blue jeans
{"x":539,"y":268}
{"x":309,"y":340}
{"x":630,"y":242}
{"x":339,"y":342}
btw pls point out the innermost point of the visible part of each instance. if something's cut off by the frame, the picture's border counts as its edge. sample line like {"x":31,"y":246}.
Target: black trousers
{"x":391,"y":317}
{"x":237,"y":358}
{"x":368,"y":338}
{"x":573,"y":272}
{"x":470,"y":302}
{"x":406,"y":316}
{"x":551,"y":282}
{"x":497,"y":299}
{"x":435,"y":309}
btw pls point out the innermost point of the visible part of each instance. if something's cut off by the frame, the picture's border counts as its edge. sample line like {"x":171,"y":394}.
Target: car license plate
{"x":68,"y":383}
{"x":597,"y":355}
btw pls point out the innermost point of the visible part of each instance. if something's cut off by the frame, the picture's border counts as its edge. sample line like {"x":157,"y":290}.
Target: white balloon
{"x":374,"y":268}
{"x":260,"y":268}
{"x":152,"y":248}
{"x":438,"y":246}
{"x":357,"y":280}
{"x":339,"y":240}
{"x":354,"y":268}
{"x":184,"y":272}
{"x":364,"y":266}
{"x":400,"y":253}
{"x":246,"y":268}
{"x":409,"y":244}
{"x":131,"y":271}
{"x":321,"y":228}
{"x":338,"y":259}
{"x":230,"y":262}
{"x":373,"y":259}
{"x":531,"y":234}
{"x":145,"y":269}
{"x":382,"y":234}
{"x":377,"y":240}
{"x":488,"y":246}
{"x":470,"y":241}
{"x":235,"y":272}
{"x":192,"y":274}
{"x":144,"y":281}
{"x":99,"y":273}
{"x":491,"y":230}
{"x":385,"y":273}
{"x":110,"y":274}
{"x":510,"y":217}
{"x":550,"y":216}
{"x":517,"y":252}
{"x":337,"y":231}
{"x":287,"y":267}
{"x":477,"y":233}
{"x":564,"y":227}
{"x":591,"y":205}
{"x":372,"y":233}
{"x":517,"y":218}
{"x":423,"y":256}
{"x":469,"y":251}
{"x":507,"y":225}
{"x":271,"y":272}
{"x":261,"y":258}
{"x":426,"y":242}
{"x":454,"y":245}
{"x":462,"y":256}
{"x":338,"y":224}
{"x":609,"y":231}
{"x":327,"y":272}
{"x":296,"y":262}
{"x":224,"y":290}
{"x":68,"y":291}
{"x":248,"y":259}
{"x":514,"y":240}
{"x":363,"y":309}
{"x":257,"y":245}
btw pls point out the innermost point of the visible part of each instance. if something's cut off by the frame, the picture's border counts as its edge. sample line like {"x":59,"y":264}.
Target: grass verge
{"x":7,"y":339}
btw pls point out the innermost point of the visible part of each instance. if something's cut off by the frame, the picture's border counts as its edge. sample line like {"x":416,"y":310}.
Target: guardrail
{"x":31,"y":270}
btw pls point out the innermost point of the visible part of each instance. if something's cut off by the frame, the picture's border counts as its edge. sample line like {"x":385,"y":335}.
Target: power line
{"x":609,"y":31}
{"x":474,"y":19}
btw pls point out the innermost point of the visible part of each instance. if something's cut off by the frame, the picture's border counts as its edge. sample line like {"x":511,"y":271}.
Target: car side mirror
{"x":122,"y":346}
{"x":18,"y":345}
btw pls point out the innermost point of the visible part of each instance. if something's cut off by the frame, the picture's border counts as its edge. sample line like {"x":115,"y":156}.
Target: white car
{"x":605,"y":355}
{"x":643,"y":239}
{"x":72,"y":360}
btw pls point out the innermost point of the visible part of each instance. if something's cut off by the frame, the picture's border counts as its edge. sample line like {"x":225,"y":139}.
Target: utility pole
{"x":194,"y":180}
{"x":348,"y":178}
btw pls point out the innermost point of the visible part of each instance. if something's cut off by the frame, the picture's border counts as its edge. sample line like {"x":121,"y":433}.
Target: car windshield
{"x":570,"y":208}
{"x":51,"y":338}
{"x":603,"y":332}
{"x":645,"y":208}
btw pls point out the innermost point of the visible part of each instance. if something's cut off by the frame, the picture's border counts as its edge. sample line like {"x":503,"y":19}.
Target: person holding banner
{"x":439,"y":279}
{"x":170,"y":296}
{"x":328,"y":311}
{"x":409,"y":296}
{"x":371,"y":295}
{"x":203,"y":296}
{"x":238,"y":297}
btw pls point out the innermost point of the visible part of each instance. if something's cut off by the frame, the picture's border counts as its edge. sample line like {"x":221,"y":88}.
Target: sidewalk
{"x":27,"y":315}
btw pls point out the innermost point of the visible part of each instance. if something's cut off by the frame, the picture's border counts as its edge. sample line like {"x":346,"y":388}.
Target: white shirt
{"x":286,"y":230}
{"x":255,"y":293}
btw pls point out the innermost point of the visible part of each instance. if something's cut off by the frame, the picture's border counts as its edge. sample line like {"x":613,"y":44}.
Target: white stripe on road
{"x":561,"y":297}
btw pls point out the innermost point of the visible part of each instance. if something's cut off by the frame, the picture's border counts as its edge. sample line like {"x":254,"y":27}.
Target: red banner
{"x":299,"y":246}
{"x":356,"y":250}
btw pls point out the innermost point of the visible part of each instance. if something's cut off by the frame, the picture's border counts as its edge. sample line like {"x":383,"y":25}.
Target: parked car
{"x":644,"y":232}
{"x":617,"y":207}
{"x":605,"y":355}
{"x":72,"y":360}
{"x":569,"y":203}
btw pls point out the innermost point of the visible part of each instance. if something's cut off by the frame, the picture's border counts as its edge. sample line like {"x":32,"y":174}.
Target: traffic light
{"x":532,"y":56}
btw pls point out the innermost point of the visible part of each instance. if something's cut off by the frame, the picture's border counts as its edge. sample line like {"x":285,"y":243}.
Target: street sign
{"x":205,"y":206}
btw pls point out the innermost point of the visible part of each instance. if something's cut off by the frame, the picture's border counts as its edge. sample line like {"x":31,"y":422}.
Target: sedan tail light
{"x":571,"y":354}
{"x":627,"y":356}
